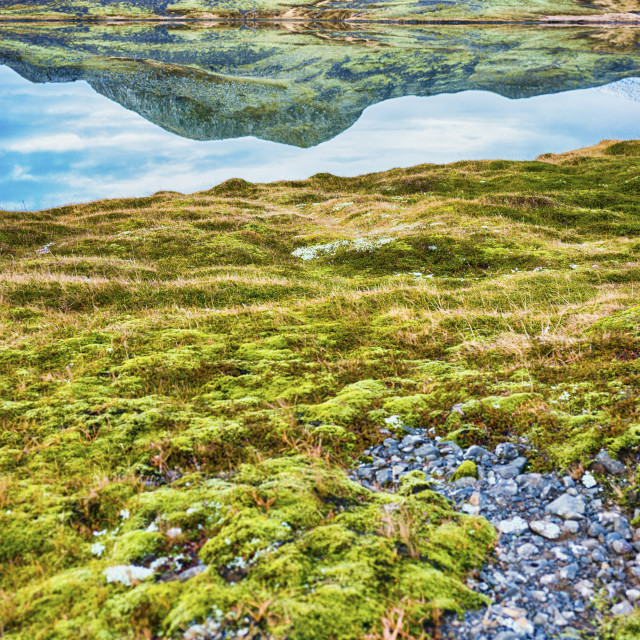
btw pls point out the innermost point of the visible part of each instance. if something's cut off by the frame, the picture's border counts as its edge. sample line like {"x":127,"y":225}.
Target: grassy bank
{"x":184,"y":380}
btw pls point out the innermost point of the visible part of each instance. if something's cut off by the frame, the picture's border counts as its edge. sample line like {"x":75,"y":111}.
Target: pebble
{"x":528,"y":550}
{"x":546,"y":529}
{"x":513,"y":525}
{"x":621,"y":547}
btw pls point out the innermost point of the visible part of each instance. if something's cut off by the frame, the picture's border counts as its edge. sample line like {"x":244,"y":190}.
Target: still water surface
{"x":63,"y":142}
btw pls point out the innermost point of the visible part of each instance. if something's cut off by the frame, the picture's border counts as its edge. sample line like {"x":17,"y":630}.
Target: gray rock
{"x":411,"y":441}
{"x":622,"y":527}
{"x":632,"y":594}
{"x":585,"y":588}
{"x":475,"y":452}
{"x":570,"y":571}
{"x":504,"y":488}
{"x":449,"y":447}
{"x":187,"y":574}
{"x":384,"y":477}
{"x":512,"y":469}
{"x":365,"y":473}
{"x":427,"y":450}
{"x":546,"y":529}
{"x":571,"y":526}
{"x":596,"y":530}
{"x":465,"y":482}
{"x":621,"y":547}
{"x":567,"y":507}
{"x":507,"y":451}
{"x":613,"y":467}
{"x":397,"y":469}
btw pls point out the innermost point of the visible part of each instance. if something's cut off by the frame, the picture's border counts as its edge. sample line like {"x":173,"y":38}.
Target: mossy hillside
{"x":292,"y":538}
{"x":164,"y":341}
{"x":306,"y":85}
{"x":393,"y":10}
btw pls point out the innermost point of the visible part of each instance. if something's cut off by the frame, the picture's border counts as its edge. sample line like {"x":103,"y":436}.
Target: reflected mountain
{"x":305,"y":85}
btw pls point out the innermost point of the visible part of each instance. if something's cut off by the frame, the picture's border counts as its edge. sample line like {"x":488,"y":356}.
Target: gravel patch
{"x":561,"y":545}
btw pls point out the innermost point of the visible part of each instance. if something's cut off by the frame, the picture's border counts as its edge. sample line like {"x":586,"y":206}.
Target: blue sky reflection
{"x":63,"y":143}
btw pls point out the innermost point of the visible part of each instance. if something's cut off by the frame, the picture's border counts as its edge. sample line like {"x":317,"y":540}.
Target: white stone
{"x":127,"y":574}
{"x":571,"y":526}
{"x":541,"y":618}
{"x":523,"y":627}
{"x":513,"y":525}
{"x":546,"y":529}
{"x":632,"y":594}
{"x":584,"y":588}
{"x":528,"y":550}
{"x":623,"y":608}
{"x":589,"y":481}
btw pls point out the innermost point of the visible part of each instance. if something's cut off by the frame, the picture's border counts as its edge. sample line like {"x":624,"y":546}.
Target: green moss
{"x":136,"y":546}
{"x":413,"y":482}
{"x":466,"y":436}
{"x":349,"y":404}
{"x":626,"y":320}
{"x":272,"y":534}
{"x":629,"y":628}
{"x":410,"y":408}
{"x":467,"y":469}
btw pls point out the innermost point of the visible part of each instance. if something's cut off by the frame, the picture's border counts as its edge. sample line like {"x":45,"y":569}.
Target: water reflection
{"x":304,"y":86}
{"x":65,"y":143}
{"x":189,"y":108}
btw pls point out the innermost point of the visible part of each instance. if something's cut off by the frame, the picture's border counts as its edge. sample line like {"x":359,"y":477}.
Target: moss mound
{"x":317,"y":555}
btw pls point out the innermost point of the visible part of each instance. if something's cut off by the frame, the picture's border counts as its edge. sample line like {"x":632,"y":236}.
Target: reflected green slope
{"x":304,"y":86}
{"x":398,"y":10}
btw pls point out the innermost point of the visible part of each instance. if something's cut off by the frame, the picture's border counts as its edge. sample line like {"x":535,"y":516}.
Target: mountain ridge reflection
{"x":301,"y":86}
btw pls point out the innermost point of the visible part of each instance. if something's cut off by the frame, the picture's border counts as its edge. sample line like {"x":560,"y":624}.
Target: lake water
{"x":80,"y":119}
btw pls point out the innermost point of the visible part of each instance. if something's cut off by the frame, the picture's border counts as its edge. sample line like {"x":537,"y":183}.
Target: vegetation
{"x":185,"y":379}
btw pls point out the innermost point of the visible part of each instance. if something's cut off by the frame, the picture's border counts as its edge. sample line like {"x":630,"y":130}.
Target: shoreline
{"x":595,"y":20}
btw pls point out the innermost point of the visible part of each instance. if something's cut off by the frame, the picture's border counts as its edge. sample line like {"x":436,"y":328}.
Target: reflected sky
{"x":63,"y":143}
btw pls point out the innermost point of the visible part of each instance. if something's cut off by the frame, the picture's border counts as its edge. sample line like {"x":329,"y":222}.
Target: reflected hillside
{"x":303,"y":86}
